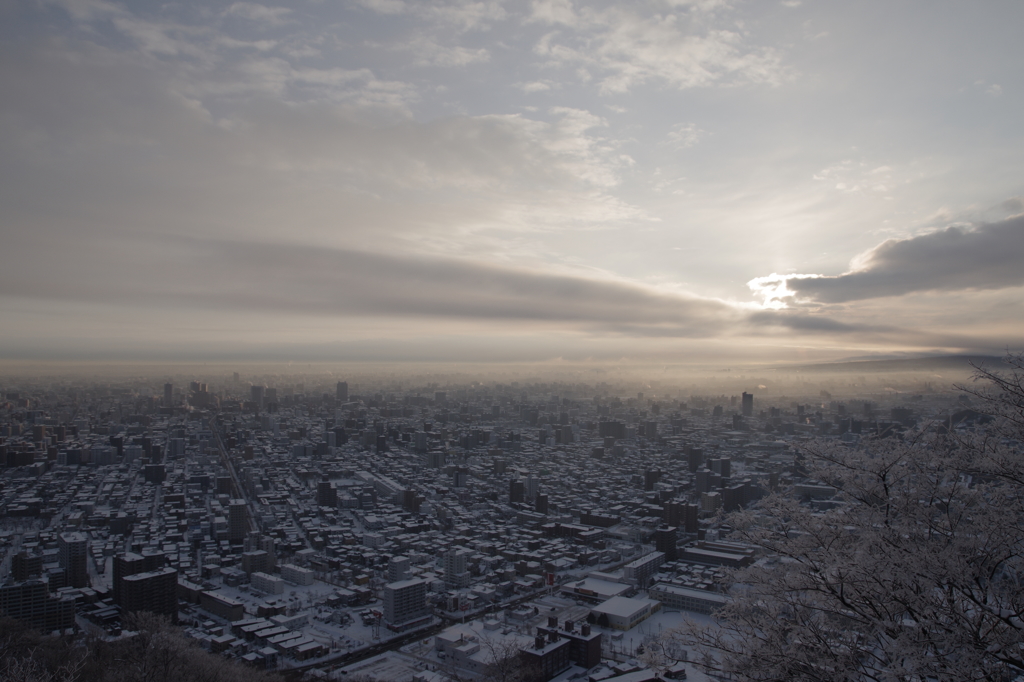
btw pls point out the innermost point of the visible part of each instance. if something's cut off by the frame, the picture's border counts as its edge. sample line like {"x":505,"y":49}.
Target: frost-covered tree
{"x":915,"y":574}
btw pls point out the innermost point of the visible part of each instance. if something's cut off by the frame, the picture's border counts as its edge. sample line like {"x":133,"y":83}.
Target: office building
{"x":721,"y":466}
{"x":516,"y":491}
{"x":651,"y":477}
{"x":326,"y":494}
{"x":665,"y":542}
{"x":238,"y":524}
{"x":694,"y":458}
{"x":342,"y":391}
{"x":72,"y":554}
{"x":748,"y":404}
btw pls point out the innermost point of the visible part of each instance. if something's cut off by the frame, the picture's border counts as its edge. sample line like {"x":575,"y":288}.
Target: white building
{"x":269,"y":584}
{"x":296,"y":574}
{"x":456,"y":573}
{"x":640,"y":571}
{"x":405,"y":604}
{"x":624,"y":613}
{"x":687,"y":598}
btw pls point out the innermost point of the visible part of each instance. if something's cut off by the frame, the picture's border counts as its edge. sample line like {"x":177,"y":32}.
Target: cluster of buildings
{"x":290,"y":526}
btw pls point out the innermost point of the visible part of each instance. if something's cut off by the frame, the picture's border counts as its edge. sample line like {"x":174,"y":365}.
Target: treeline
{"x":159,"y":652}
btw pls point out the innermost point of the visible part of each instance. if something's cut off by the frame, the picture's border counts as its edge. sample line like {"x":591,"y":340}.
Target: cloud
{"x":281,"y":281}
{"x":553,"y":12}
{"x":460,"y":15}
{"x":534,"y":86}
{"x":686,"y":48}
{"x":1013,"y":205}
{"x":286,"y":279}
{"x":811,"y":324}
{"x":988,"y":256}
{"x":272,"y":16}
{"x":685,"y":135}
{"x":428,"y":52}
{"x":385,"y":6}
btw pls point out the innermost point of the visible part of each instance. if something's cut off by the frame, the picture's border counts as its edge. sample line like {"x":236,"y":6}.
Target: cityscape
{"x":416,"y":528}
{"x":511,"y":341}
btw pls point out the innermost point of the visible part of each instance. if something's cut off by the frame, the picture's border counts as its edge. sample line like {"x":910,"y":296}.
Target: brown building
{"x":152,"y":591}
{"x":548,"y":656}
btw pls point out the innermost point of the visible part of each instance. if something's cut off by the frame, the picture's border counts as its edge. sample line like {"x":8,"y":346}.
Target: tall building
{"x":168,"y":395}
{"x":640,"y":571}
{"x":516,"y":491}
{"x":269,"y":545}
{"x":665,"y":542}
{"x":129,"y":564}
{"x":710,"y":502}
{"x":342,"y":393}
{"x":31,"y":603}
{"x":748,"y":404}
{"x":256,"y":561}
{"x":25,"y":565}
{"x":256,"y":395}
{"x":435,"y":458}
{"x":692,"y":522}
{"x":722,"y":466}
{"x":238,"y":524}
{"x":405,"y":604}
{"x":152,"y":591}
{"x":651,"y":476}
{"x":398,"y":568}
{"x":326,"y":493}
{"x":694,"y":458}
{"x":456,"y":572}
{"x":72,"y":553}
{"x":532,"y":487}
{"x":198,"y":395}
{"x":675,"y":512}
{"x":702,"y":481}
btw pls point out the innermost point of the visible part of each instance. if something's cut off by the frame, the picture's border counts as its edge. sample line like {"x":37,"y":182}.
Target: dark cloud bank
{"x":989,"y":256}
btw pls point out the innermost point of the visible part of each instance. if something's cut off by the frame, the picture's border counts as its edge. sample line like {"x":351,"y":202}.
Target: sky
{"x":678,"y":181}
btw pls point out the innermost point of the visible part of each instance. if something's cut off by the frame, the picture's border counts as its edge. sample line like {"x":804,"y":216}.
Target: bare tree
{"x":505,"y":663}
{"x":32,"y":670}
{"x":26,"y":654}
{"x":917,"y":573}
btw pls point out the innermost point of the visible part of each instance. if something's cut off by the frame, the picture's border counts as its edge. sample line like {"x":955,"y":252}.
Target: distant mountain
{"x":935,"y":363}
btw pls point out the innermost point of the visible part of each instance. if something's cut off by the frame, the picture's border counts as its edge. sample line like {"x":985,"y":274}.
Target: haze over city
{"x":701,"y":181}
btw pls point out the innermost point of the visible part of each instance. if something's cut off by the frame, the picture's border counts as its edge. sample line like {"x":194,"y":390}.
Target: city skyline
{"x":667,"y":181}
